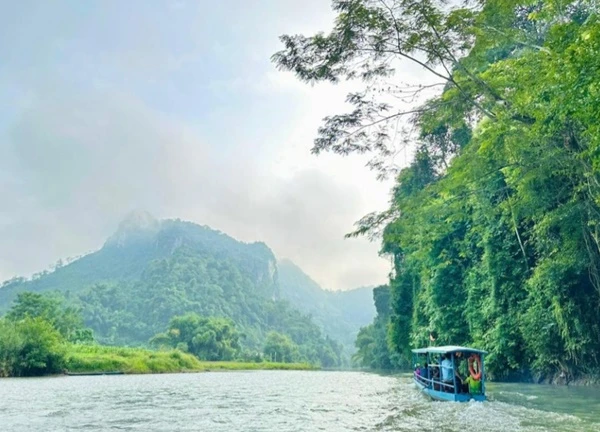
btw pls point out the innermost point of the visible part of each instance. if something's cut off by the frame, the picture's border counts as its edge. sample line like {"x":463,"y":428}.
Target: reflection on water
{"x":581,"y":402}
{"x":282,"y":401}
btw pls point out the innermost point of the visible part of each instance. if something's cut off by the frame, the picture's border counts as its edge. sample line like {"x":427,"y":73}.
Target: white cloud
{"x":85,"y":160}
{"x":192,"y":121}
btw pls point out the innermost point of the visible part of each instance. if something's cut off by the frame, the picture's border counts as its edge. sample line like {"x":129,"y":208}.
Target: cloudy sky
{"x":175,"y":108}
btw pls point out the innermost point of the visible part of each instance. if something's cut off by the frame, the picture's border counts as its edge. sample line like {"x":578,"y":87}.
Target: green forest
{"x":493,"y":225}
{"x":340,"y":314}
{"x":173,"y":285}
{"x":42,"y":335}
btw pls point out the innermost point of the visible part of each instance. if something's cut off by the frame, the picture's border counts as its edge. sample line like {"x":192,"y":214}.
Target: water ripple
{"x":278,"y":401}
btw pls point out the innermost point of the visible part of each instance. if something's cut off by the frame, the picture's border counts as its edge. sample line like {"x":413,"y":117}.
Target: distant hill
{"x":141,"y":239}
{"x":150,"y":271}
{"x":339,"y":313}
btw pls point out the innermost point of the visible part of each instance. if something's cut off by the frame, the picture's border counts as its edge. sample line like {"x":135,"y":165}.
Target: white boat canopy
{"x":447,"y":349}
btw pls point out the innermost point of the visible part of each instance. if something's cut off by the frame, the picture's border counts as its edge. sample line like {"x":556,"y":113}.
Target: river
{"x":281,"y":401}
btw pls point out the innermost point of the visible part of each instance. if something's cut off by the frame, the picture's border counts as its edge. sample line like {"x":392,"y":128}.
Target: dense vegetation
{"x":373,"y":349}
{"x":150,"y":274}
{"x":40,"y":336}
{"x":30,"y":347}
{"x":208,"y":338}
{"x":339,"y":313}
{"x":36,"y":334}
{"x":494,"y":226}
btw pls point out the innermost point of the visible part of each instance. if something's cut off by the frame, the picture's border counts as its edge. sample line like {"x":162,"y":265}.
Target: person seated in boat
{"x":435,"y":375}
{"x":425,"y":371}
{"x":459,"y":364}
{"x":461,"y":384}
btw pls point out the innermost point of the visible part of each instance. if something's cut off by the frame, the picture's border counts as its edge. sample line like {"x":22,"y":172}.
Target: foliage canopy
{"x":493,"y":227}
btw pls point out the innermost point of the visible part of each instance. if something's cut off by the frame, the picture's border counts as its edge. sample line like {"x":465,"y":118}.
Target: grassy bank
{"x":232,"y":365}
{"x":97,"y":358}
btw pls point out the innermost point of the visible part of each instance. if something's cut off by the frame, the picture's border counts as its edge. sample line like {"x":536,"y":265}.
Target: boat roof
{"x":447,"y":349}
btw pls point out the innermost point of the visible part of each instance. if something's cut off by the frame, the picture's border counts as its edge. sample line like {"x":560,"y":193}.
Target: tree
{"x":366,"y":347}
{"x":30,"y":347}
{"x":206,"y":338}
{"x":367,"y":42}
{"x":280,"y":348}
{"x":66,"y":320}
{"x":374,"y":350}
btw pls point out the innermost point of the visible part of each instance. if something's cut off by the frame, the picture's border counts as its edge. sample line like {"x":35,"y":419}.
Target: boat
{"x":429,"y":372}
{"x":94,"y":373}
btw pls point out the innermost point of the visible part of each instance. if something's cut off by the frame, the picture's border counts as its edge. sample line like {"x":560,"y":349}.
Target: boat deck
{"x":439,"y":395}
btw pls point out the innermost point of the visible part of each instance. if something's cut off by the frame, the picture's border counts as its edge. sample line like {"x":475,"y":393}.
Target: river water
{"x":282,"y":401}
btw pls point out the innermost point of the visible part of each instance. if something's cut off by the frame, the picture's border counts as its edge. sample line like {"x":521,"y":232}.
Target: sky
{"x":174,"y":107}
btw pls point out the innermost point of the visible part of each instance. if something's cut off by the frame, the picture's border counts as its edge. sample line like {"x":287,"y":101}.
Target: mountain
{"x":340,"y":314}
{"x":149,"y":271}
{"x":140,"y":240}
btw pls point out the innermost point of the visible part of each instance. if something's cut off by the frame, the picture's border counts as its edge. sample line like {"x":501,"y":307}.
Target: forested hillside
{"x":373,"y":349}
{"x":339,"y":313}
{"x":151,"y":271}
{"x":140,"y":240}
{"x":494,"y":225}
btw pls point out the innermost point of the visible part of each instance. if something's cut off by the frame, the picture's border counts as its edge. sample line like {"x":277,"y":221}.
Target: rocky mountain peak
{"x":136,"y":225}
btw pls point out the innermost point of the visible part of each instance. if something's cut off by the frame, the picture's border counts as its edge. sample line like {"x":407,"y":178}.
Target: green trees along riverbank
{"x":41,"y":336}
{"x":493,"y":227}
{"x":35,"y":336}
{"x":30,"y":347}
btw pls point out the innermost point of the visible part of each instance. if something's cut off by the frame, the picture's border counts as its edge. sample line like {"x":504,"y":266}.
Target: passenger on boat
{"x":462,"y":386}
{"x":435,"y":375}
{"x":447,"y":373}
{"x":473,"y":380}
{"x":473,"y":385}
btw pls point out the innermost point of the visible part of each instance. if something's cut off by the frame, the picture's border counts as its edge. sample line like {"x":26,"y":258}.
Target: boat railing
{"x":432,"y":382}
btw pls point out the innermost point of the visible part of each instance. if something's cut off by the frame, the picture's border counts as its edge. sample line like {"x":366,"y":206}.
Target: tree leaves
{"x":493,"y":227}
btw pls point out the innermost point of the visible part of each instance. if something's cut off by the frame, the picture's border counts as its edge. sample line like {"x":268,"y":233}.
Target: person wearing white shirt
{"x":447,"y":372}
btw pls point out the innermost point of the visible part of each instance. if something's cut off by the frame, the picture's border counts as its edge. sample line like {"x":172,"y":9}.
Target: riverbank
{"x":90,"y":359}
{"x":566,"y":380}
{"x":552,"y":378}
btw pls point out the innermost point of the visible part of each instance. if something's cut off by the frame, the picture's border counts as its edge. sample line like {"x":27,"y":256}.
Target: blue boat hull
{"x":451,"y":397}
